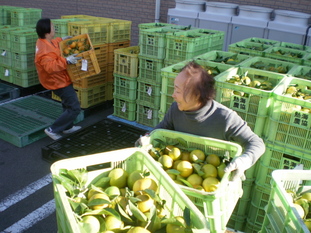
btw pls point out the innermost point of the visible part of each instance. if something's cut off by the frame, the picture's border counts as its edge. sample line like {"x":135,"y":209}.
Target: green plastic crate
{"x":279,"y":157}
{"x":152,"y":42}
{"x":98,"y":30}
{"x":306,"y":60}
{"x":6,"y":73}
{"x":236,"y":223}
{"x":126,"y":61}
{"x":25,"y":16}
{"x":303,"y":72}
{"x":6,"y":57}
{"x":124,"y":108}
{"x":125,"y":87}
{"x":252,"y":227}
{"x":23,"y":41}
{"x":146,"y":114}
{"x":169,"y":73}
{"x":5,"y":14}
{"x":5,"y":36}
{"x":216,"y":206}
{"x":150,"y":69}
{"x":130,"y":159}
{"x":290,"y":119}
{"x":23,"y":61}
{"x":215,"y":38}
{"x":262,"y":41}
{"x":25,"y":78}
{"x":61,"y":26}
{"x":223,"y":57}
{"x":295,"y":46}
{"x":148,"y":94}
{"x":119,"y":31}
{"x":91,"y":96}
{"x":252,"y":104}
{"x":248,"y":48}
{"x":281,"y":215}
{"x":143,"y":26}
{"x":181,"y":46}
{"x":285,"y":54}
{"x":268,"y":64}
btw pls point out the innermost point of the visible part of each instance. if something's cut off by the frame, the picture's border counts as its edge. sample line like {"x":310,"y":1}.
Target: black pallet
{"x":106,"y":135}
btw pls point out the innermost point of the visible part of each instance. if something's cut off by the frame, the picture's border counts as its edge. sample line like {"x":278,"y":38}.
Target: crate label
{"x":124,"y":107}
{"x":239,"y":103}
{"x":6,"y":72}
{"x":84,"y":65}
{"x":149,"y":91}
{"x":3,"y":53}
{"x":302,"y":119}
{"x":149,"y":114}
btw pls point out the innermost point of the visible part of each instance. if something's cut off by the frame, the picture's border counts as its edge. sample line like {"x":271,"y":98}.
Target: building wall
{"x":137,"y":11}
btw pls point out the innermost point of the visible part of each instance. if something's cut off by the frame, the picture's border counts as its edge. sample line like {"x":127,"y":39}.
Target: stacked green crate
{"x":152,"y":43}
{"x":6,"y":52}
{"x":249,"y":48}
{"x":286,"y":54}
{"x":61,"y":26}
{"x":125,"y":82}
{"x":182,"y":45}
{"x":287,"y":138}
{"x":5,"y":14}
{"x":259,"y":40}
{"x":169,"y":73}
{"x":23,"y":48}
{"x":26,"y":17}
{"x":269,"y":64}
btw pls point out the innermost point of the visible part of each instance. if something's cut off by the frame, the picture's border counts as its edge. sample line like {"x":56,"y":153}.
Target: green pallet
{"x":23,"y":41}
{"x":248,"y":48}
{"x":252,"y":104}
{"x":148,"y":94}
{"x":268,"y":64}
{"x":281,"y":215}
{"x":23,"y":120}
{"x":223,"y":57}
{"x":290,"y":121}
{"x":125,"y":87}
{"x":8,"y":92}
{"x":285,"y":54}
{"x":25,"y":16}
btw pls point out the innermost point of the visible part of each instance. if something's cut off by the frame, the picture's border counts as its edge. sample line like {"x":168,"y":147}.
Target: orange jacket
{"x":51,"y":66}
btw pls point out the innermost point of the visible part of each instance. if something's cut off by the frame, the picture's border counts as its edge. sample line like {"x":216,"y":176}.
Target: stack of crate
{"x":106,"y":35}
{"x":125,"y":82}
{"x":162,"y":45}
{"x":17,"y":44}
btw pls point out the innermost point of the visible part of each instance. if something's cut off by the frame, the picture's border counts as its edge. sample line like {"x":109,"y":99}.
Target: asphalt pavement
{"x":26,"y":190}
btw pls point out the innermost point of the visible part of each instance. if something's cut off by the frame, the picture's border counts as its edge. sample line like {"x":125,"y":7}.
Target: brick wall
{"x":137,"y":11}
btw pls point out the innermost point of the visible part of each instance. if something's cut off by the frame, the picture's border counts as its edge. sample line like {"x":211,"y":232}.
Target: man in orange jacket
{"x":51,"y":68}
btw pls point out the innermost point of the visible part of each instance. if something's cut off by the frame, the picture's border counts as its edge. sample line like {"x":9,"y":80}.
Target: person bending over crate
{"x":51,"y":68}
{"x":196,"y":112}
